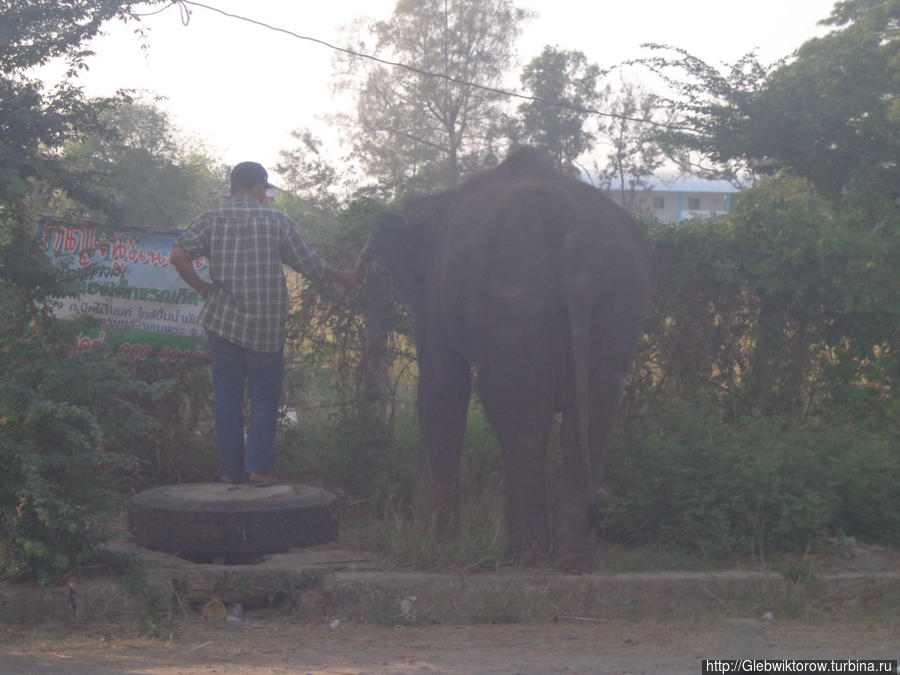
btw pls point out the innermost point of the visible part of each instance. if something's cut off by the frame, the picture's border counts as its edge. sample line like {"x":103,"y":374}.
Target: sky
{"x":241,"y":88}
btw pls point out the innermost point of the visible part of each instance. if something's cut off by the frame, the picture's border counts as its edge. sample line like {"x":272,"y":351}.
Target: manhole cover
{"x":200,"y":520}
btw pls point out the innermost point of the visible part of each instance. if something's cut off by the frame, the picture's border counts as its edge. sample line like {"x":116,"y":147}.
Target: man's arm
{"x":184,"y":265}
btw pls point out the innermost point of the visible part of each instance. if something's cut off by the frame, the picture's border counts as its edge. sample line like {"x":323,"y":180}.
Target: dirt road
{"x":269,"y":646}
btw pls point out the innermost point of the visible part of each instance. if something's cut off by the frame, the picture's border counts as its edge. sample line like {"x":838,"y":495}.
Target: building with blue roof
{"x":672,"y":198}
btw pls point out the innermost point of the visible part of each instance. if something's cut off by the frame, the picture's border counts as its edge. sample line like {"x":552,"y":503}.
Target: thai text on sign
{"x":137,"y":302}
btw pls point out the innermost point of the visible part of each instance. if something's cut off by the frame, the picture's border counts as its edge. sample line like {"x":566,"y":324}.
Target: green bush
{"x":328,"y":446}
{"x":179,"y":443}
{"x":761,"y":411}
{"x":867,"y":476}
{"x":332,"y":450}
{"x":683,"y":478}
{"x":67,"y":422}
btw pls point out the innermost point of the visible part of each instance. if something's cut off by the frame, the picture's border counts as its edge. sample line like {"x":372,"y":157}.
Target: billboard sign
{"x":140,"y":305}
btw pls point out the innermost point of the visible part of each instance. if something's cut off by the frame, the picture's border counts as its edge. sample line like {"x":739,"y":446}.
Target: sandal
{"x":262,"y":481}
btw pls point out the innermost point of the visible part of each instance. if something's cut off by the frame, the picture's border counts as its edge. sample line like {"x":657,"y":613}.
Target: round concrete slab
{"x":202,"y":520}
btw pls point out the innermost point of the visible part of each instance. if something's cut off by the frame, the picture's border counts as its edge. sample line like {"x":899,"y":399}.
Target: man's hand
{"x":205,"y":289}
{"x":183,"y":264}
{"x":346,"y":278}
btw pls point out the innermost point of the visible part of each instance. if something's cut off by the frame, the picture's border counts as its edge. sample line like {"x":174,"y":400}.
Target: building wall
{"x":673,"y":207}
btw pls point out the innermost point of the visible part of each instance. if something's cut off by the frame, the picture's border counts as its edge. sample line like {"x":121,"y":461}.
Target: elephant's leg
{"x":443,"y":400}
{"x":525,"y":439}
{"x":574,"y":519}
{"x":516,"y":389}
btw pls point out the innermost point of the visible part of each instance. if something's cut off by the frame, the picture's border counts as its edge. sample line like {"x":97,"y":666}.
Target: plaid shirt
{"x":246,"y":244}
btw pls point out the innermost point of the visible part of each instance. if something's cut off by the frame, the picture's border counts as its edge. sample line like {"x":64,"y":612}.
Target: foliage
{"x":348,"y":355}
{"x":566,"y":79}
{"x":41,"y":30}
{"x":475,"y":545}
{"x":682,"y":477}
{"x":37,"y":125}
{"x":75,"y":430}
{"x":829,"y":114}
{"x":634,"y":152}
{"x":768,"y":372}
{"x":419,"y":132}
{"x":783,"y":307}
{"x":309,"y":178}
{"x":37,"y":122}
{"x":69,"y":425}
{"x":379,"y":484}
{"x":327,"y":447}
{"x":144,"y":169}
{"x":66,"y":425}
{"x":179,"y":443}
{"x":759,"y":415}
{"x":708,"y":110}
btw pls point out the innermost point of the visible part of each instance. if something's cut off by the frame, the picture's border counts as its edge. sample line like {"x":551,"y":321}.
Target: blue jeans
{"x":235,"y":369}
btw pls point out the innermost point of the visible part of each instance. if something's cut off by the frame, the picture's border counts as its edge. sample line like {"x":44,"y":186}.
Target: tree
{"x":778,"y":321}
{"x":311,"y":180}
{"x":145,"y":169}
{"x":37,"y":122}
{"x":566,"y":79}
{"x":633,"y":152}
{"x":706,"y":109}
{"x":421,"y":129}
{"x":833,"y":113}
{"x":829,"y":113}
{"x":38,"y":31}
{"x":66,"y":421}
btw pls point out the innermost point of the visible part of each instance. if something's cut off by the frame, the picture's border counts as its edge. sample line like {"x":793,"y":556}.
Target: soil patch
{"x":265,"y":646}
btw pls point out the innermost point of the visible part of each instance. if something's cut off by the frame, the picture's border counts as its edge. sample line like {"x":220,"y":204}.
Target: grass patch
{"x":615,"y":559}
{"x":475,"y":544}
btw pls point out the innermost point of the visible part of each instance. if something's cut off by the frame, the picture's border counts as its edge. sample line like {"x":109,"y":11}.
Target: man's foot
{"x":259,"y":480}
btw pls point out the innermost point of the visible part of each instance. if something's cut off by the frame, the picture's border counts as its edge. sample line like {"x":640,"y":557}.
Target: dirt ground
{"x":266,"y":646}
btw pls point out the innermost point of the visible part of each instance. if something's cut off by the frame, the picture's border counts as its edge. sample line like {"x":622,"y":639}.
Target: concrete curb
{"x":430,"y":598}
{"x":325,"y":585}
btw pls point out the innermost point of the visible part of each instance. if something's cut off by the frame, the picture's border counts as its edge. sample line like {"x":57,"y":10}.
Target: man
{"x":246,"y":305}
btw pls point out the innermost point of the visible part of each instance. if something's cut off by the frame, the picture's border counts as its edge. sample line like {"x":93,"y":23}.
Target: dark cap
{"x":247,"y":175}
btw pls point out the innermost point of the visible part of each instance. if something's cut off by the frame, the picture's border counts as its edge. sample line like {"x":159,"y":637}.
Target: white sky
{"x":242,"y":88}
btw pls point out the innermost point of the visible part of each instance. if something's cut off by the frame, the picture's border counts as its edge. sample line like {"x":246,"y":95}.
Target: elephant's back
{"x":506,"y":253}
{"x":526,"y":221}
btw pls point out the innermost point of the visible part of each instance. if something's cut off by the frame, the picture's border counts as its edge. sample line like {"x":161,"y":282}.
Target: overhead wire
{"x":184,"y":6}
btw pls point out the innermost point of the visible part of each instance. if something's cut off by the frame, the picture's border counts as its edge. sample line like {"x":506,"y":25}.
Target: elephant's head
{"x":406,"y":242}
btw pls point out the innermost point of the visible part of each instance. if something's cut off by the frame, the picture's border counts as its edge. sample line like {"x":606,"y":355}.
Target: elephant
{"x":539,"y":282}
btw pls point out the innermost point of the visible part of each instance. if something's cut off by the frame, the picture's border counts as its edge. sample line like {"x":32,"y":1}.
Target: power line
{"x":185,"y":5}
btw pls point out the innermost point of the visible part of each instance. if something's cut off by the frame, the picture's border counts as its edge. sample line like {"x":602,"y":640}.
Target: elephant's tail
{"x":579,"y":288}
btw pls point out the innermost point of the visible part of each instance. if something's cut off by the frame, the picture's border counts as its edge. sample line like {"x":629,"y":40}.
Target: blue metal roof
{"x":669,"y":183}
